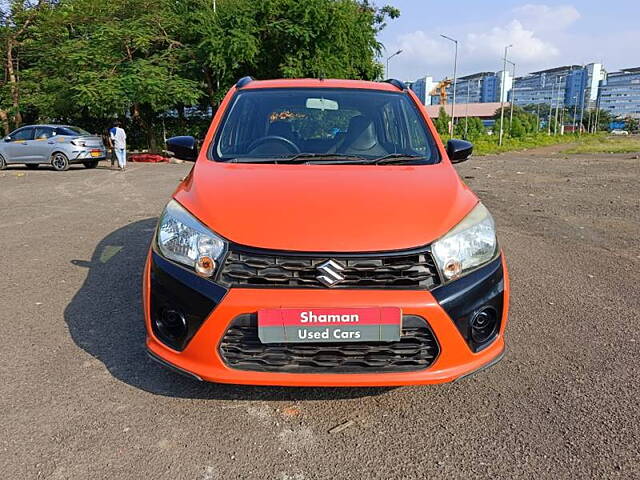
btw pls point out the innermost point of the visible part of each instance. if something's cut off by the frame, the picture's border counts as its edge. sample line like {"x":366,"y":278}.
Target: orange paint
{"x":325,"y":208}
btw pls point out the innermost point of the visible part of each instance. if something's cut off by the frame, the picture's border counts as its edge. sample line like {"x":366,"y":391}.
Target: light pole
{"x":455,"y":67}
{"x":504,"y":78}
{"x":558,"y":115}
{"x":466,"y":111}
{"x":550,"y":110}
{"x":513,"y":92}
{"x":389,"y":58}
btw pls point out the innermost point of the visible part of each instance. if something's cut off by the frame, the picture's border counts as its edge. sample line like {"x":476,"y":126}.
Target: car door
{"x":42,"y":144}
{"x":17,"y":148}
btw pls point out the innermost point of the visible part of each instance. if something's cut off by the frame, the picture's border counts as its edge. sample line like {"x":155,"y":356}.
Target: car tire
{"x":3,"y":163}
{"x":91,"y":164}
{"x":31,"y":166}
{"x":59,"y":162}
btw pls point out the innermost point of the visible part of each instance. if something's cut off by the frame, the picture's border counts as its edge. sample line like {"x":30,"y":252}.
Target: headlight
{"x":185,"y":240}
{"x":468,"y":245}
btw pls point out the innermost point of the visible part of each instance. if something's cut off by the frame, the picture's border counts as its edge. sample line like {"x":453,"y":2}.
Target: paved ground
{"x":79,"y":399}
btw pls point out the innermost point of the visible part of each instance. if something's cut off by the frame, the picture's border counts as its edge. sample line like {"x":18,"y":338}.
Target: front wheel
{"x":91,"y":164}
{"x":59,"y":162}
{"x":3,"y":163}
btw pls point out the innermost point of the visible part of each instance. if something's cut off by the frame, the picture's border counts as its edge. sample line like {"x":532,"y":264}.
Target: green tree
{"x":632,"y":124}
{"x":281,"y":38}
{"x":96,"y":60}
{"x":470,"y":128}
{"x":88,"y":61}
{"x":17,"y":21}
{"x":442,"y":122}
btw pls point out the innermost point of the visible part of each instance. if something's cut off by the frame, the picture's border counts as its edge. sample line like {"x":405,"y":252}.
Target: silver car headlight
{"x":468,"y":245}
{"x":185,"y":240}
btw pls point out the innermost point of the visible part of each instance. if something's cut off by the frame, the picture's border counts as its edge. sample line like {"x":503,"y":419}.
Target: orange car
{"x":324,"y":238}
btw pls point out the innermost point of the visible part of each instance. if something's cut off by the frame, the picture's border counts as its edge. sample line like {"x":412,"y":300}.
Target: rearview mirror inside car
{"x":321,"y":104}
{"x":459,"y":150}
{"x":183,"y":148}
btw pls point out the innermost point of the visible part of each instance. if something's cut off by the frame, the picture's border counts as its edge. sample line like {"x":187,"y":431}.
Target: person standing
{"x":119,"y":141}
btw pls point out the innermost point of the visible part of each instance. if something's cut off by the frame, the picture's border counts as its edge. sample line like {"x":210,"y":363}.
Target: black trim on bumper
{"x":172,"y":367}
{"x":463,"y":298}
{"x":482,"y":368}
{"x":174,"y":288}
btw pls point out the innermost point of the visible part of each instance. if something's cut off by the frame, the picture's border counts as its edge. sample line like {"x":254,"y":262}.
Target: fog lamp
{"x":172,"y":324}
{"x":483,"y":324}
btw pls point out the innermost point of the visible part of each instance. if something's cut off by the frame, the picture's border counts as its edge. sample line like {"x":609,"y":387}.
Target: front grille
{"x":250,"y":269}
{"x":242,"y":349}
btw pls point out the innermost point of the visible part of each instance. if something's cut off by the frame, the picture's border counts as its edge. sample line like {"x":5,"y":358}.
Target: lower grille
{"x":241,"y":349}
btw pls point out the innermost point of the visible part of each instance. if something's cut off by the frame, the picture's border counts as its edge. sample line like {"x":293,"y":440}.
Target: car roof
{"x":51,"y":125}
{"x":319,"y":83}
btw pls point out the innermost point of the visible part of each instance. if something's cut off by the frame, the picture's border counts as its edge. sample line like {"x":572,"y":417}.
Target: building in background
{"x":581,"y":87}
{"x":485,"y":111}
{"x":422,"y":87}
{"x":570,"y":85}
{"x":577,"y":87}
{"x":482,"y":87}
{"x":620,"y":93}
{"x":546,"y":86}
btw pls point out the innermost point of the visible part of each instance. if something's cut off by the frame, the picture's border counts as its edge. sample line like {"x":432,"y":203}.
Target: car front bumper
{"x":201,"y":358}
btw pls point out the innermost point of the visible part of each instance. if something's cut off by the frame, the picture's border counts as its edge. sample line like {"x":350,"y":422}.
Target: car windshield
{"x":317,"y":125}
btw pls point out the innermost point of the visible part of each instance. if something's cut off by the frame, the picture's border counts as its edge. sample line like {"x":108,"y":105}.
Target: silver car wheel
{"x":60,"y":162}
{"x":3,"y":163}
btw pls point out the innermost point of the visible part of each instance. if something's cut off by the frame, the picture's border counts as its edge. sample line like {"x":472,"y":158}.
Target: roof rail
{"x":244,"y":81}
{"x":396,"y":83}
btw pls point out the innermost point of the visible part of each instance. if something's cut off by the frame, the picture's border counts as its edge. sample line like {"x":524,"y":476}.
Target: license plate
{"x":95,"y":153}
{"x":329,"y":325}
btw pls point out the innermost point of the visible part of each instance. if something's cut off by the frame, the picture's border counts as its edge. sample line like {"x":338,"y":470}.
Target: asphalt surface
{"x":79,"y":398}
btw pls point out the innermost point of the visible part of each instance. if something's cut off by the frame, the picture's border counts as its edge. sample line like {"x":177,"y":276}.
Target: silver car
{"x":55,"y":145}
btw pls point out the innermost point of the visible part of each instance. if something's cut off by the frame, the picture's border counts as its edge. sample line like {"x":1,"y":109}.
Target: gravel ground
{"x":79,"y":398}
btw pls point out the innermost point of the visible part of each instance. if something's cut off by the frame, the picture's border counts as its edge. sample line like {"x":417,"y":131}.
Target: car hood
{"x":326,"y":208}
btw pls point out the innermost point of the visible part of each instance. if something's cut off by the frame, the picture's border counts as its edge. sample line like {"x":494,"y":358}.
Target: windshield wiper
{"x":397,"y":157}
{"x":304,"y":158}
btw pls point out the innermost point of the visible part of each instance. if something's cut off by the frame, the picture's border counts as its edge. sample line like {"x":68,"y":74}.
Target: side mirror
{"x":183,"y":148}
{"x":459,"y":150}
{"x":7,"y":138}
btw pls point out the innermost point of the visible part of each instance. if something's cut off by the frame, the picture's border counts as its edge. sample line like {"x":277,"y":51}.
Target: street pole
{"x":555,"y":128}
{"x":581,"y":115}
{"x":504,"y":77}
{"x":466,"y":112}
{"x":455,"y":67}
{"x":389,"y":58}
{"x":550,"y":110}
{"x":513,"y":91}
{"x":575,"y":113}
{"x":538,"y":118}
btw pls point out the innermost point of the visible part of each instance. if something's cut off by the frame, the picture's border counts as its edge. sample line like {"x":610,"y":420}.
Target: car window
{"x":23,"y":134}
{"x":71,"y":131}
{"x":285,"y":122}
{"x":42,"y":133}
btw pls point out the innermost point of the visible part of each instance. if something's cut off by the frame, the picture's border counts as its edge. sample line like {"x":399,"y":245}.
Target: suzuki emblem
{"x":330,"y":273}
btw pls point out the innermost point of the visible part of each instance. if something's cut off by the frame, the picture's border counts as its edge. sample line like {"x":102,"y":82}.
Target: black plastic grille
{"x":241,"y":349}
{"x":414,"y":270}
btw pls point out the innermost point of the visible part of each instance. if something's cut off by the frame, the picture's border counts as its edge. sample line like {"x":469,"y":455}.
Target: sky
{"x":543,"y":35}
